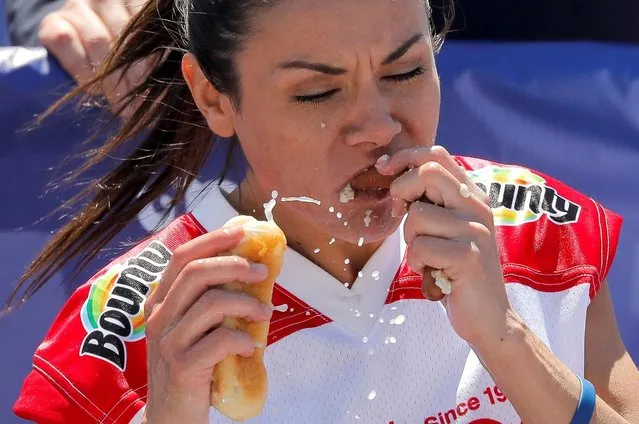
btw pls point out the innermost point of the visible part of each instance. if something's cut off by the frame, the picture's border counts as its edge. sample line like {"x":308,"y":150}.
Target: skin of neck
{"x":302,"y":235}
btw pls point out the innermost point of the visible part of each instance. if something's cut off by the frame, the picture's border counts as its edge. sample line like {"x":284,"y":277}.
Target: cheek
{"x":281,"y":161}
{"x":420,"y":110}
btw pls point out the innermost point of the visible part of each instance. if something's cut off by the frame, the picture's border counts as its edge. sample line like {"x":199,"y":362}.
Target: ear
{"x":215,"y":106}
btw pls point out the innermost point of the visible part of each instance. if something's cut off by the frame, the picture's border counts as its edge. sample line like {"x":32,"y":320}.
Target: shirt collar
{"x":355,"y":310}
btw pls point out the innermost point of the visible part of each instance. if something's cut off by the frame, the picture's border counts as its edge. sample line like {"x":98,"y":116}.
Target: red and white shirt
{"x":376,"y":353}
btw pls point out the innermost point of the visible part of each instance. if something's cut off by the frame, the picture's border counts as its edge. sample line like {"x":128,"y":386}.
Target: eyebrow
{"x":334,"y":70}
{"x":401,"y":50}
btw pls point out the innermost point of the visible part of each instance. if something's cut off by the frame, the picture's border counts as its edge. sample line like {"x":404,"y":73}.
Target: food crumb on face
{"x":346,"y":194}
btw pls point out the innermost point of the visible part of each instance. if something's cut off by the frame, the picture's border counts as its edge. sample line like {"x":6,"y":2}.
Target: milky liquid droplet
{"x":281,"y":308}
{"x":393,"y":308}
{"x":364,"y":339}
{"x":332,"y":241}
{"x":268,"y":209}
{"x":371,"y":315}
{"x":398,"y":320}
{"x":375,"y":275}
{"x":331,"y":209}
{"x":370,"y":352}
{"x":360,"y":242}
{"x":303,"y":199}
{"x":345,"y":223}
{"x":274,"y":194}
{"x":322,"y":124}
{"x":339,"y":215}
{"x":356,"y":417}
{"x":347,"y":261}
{"x":360,"y":274}
{"x":381,"y":320}
{"x":292,"y":309}
{"x":308,"y":313}
{"x":372,"y":394}
{"x":346,"y":284}
{"x":367,"y":218}
{"x":316,"y":250}
{"x":357,"y":313}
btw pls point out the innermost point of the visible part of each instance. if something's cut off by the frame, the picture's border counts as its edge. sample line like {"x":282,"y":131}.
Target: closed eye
{"x":405,"y":76}
{"x":316,"y":98}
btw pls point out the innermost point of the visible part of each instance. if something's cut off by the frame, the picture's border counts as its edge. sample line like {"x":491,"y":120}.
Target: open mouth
{"x":367,"y":185}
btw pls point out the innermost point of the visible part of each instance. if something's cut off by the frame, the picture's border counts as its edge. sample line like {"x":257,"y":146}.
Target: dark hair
{"x":159,"y":111}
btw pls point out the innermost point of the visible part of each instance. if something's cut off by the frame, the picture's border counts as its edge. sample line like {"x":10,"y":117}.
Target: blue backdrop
{"x":569,"y":110}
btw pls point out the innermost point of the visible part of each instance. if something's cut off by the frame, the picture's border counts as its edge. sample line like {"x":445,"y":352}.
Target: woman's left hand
{"x":454,"y":234}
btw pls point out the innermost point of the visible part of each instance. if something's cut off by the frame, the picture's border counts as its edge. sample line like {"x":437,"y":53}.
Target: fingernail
{"x":398,"y":208}
{"x":382,"y":161}
{"x":259,"y":269}
{"x":232,"y":231}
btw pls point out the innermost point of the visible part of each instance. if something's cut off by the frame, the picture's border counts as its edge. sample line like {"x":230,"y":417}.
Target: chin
{"x":374,"y":224}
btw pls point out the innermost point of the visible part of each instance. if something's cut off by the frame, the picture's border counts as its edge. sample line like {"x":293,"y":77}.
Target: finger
{"x":211,"y":309}
{"x":113,"y":14}
{"x":97,"y":40}
{"x":415,"y":156}
{"x":218,"y":345}
{"x":428,"y":253}
{"x":199,"y":276}
{"x":206,"y":246}
{"x":434,"y":182}
{"x":432,"y":220}
{"x":61,"y":38}
{"x":429,"y":289}
{"x":94,"y":35}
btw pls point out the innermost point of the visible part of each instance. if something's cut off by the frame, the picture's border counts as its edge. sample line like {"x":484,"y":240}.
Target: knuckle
{"x":152,"y":325}
{"x":416,"y":208}
{"x":54,"y":33}
{"x":238,"y":264}
{"x":481,"y":232}
{"x":190,"y":269}
{"x":74,"y":4}
{"x":180,"y":256}
{"x":430,"y":168}
{"x":439,"y":151}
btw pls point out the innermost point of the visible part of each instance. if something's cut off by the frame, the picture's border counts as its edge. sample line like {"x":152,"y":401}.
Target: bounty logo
{"x":114,"y":311}
{"x":518,"y":196}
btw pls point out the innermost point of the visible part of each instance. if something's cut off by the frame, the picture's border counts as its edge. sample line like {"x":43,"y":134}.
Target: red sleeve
{"x":551,"y":237}
{"x":60,"y":407}
{"x":91,"y":366}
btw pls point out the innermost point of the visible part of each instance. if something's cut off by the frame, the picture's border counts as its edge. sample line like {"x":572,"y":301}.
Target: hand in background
{"x":80,"y":35}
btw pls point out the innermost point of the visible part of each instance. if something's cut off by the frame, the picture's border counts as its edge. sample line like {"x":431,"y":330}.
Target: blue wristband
{"x":586,"y":406}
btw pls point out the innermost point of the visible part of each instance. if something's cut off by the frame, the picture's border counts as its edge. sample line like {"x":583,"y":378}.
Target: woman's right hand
{"x":184,"y":340}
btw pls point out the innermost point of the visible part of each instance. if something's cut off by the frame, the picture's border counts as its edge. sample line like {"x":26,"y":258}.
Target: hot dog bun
{"x":239,"y":385}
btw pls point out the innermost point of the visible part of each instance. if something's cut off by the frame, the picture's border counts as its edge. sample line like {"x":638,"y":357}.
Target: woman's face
{"x":327,"y":87}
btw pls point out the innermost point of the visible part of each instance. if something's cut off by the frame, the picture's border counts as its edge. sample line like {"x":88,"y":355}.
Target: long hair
{"x":159,"y":114}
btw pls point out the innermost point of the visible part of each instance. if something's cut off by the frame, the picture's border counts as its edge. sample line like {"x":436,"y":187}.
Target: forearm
{"x":540,"y":387}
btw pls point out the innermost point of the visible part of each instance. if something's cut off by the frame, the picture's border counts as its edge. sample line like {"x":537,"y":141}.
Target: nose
{"x":371,"y":121}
